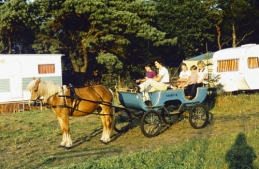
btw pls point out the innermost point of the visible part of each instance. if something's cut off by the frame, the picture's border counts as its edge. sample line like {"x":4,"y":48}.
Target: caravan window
{"x":46,"y":68}
{"x":253,"y":62}
{"x":228,"y":65}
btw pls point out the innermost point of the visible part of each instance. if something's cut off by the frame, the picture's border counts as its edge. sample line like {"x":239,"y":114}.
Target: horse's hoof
{"x":60,"y":146}
{"x":104,"y":142}
{"x":67,"y":148}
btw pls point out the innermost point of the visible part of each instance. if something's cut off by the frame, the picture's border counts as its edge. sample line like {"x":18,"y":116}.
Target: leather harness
{"x":76,"y":100}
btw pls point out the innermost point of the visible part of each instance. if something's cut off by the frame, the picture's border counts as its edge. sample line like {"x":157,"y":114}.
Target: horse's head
{"x":33,"y":87}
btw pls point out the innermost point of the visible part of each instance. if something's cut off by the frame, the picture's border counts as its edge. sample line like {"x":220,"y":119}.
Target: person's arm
{"x":203,"y":78}
{"x":162,"y":72}
{"x":157,"y":78}
{"x":153,"y":75}
{"x":189,"y":82}
{"x":205,"y":74}
{"x":141,"y":80}
{"x":197,"y":78}
{"x":184,"y":76}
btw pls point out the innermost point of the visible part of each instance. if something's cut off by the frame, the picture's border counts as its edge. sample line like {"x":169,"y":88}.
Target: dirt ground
{"x":182,"y":131}
{"x":134,"y":140}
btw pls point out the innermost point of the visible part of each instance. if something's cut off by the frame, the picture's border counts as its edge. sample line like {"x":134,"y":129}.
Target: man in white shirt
{"x":160,"y":82}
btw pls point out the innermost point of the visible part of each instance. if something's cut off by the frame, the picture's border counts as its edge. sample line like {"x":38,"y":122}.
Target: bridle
{"x":35,"y":89}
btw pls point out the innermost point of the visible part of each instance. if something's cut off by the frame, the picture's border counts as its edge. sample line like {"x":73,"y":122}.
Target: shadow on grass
{"x":99,"y":150}
{"x":210,"y":100}
{"x":89,"y":153}
{"x":136,"y":116}
{"x":241,"y":155}
{"x":82,"y":140}
{"x":211,"y":118}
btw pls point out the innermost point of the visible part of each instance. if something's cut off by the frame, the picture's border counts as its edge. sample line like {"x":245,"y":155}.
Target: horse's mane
{"x":45,"y":88}
{"x":48,"y":88}
{"x":31,"y":85}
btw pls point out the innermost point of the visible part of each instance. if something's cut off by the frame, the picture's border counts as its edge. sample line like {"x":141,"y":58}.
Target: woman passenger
{"x":190,"y":90}
{"x":202,"y":74}
{"x":183,"y":77}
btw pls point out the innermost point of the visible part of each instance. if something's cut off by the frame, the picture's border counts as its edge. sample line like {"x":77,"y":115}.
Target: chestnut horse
{"x":68,"y":101}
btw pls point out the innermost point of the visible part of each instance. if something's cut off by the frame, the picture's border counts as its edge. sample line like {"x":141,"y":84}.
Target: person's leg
{"x":193,"y":90}
{"x":158,"y":86}
{"x":143,"y":86}
{"x":199,"y":85}
{"x":153,"y":84}
{"x":187,"y":90}
{"x":145,"y":96}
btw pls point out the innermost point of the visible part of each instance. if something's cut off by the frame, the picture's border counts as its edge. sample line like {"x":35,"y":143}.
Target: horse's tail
{"x":112,"y":112}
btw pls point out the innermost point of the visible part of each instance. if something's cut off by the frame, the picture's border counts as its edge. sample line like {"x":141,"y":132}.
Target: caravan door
{"x":15,"y":79}
{"x":252,"y":71}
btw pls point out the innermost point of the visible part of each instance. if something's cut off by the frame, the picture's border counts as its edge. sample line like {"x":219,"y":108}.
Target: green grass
{"x":30,"y":140}
{"x":215,"y":152}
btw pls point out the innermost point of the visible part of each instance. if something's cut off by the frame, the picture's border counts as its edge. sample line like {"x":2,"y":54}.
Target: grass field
{"x":30,"y":140}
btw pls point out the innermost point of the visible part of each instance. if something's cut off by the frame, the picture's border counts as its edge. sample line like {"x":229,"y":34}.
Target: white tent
{"x":206,"y":58}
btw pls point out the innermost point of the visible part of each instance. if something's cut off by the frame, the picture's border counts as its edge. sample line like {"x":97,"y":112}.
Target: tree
{"x":96,"y":26}
{"x":239,"y":21}
{"x":15,"y":32}
{"x":187,"y":20}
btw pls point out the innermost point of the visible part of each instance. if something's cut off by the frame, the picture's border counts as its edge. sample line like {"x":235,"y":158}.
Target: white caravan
{"x":17,"y":70}
{"x":238,"y":67}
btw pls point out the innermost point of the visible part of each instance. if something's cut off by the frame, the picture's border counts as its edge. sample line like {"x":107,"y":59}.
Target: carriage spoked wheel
{"x":198,"y":116}
{"x":151,"y":123}
{"x":123,"y":120}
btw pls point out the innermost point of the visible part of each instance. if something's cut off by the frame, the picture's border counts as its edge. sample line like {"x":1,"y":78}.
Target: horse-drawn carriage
{"x":167,"y":106}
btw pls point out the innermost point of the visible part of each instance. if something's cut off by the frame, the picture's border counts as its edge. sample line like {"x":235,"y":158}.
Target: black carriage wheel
{"x":150,"y":123}
{"x":123,"y":120}
{"x":198,"y":116}
{"x":169,"y":117}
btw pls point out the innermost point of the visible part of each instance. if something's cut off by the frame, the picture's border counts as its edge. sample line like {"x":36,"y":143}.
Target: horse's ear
{"x":37,"y":81}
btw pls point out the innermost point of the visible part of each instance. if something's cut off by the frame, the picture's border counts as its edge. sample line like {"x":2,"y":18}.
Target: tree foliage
{"x":190,"y":21}
{"x":83,"y":27}
{"x":15,"y":31}
{"x":116,"y":37}
{"x":239,"y":20}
